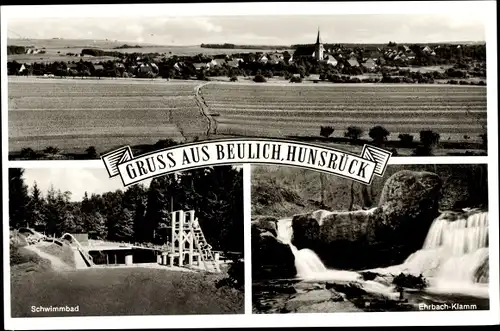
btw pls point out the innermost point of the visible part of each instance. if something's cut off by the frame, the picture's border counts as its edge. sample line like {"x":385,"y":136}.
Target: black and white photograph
{"x":249,"y":164}
{"x":414,"y":240}
{"x":81,"y":245}
{"x":414,"y":84}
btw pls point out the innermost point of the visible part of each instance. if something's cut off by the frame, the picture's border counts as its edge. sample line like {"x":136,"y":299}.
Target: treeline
{"x":138,"y":214}
{"x":127,"y":46}
{"x":100,"y":52}
{"x":11,"y":49}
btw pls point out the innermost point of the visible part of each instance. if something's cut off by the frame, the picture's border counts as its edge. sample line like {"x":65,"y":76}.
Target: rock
{"x":329,"y":307}
{"x":271,"y":259}
{"x":266,"y":223}
{"x":303,"y":287}
{"x":368,"y":275}
{"x":308,"y":298}
{"x":382,"y":236}
{"x":482,"y":274}
{"x":336,"y":296}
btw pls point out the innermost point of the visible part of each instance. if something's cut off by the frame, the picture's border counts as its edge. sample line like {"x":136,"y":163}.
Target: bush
{"x":326,"y":131}
{"x":409,"y":281}
{"x":378,"y":134}
{"x":28,"y":153}
{"x":236,"y":276}
{"x":51,"y":150}
{"x":429,"y":137}
{"x":353,"y":132}
{"x":406,"y":139}
{"x":259,"y":79}
{"x":295,"y":79}
{"x":233,"y":79}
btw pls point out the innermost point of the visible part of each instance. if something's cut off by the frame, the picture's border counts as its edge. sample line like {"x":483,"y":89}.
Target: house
{"x":370,"y":64}
{"x":353,"y":62}
{"x":275,"y":58}
{"x":200,"y":66}
{"x":178,"y":66}
{"x":98,"y":67}
{"x":233,"y":63}
{"x":307,"y":51}
{"x":218,"y":62}
{"x":221,"y":57}
{"x":72,"y":66}
{"x":22,"y":68}
{"x":427,"y":49}
{"x":263,"y":59}
{"x":145,"y":68}
{"x":329,"y":59}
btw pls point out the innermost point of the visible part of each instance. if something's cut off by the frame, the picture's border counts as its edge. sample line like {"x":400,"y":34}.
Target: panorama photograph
{"x":82,"y":245}
{"x":414,"y":84}
{"x":416,"y":239}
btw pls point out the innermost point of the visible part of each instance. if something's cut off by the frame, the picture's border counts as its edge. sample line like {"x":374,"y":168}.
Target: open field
{"x":63,"y":46}
{"x":284,"y":110}
{"x":73,"y":114}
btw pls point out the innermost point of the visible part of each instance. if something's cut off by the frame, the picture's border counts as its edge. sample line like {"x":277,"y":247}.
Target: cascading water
{"x":307,"y":263}
{"x":453,"y":252}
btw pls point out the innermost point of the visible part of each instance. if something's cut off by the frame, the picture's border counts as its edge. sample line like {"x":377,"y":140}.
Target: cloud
{"x":75,"y":180}
{"x":282,"y":30}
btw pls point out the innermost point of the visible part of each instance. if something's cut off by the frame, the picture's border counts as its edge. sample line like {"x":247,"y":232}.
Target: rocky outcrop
{"x":270,"y":257}
{"x":382,"y":236}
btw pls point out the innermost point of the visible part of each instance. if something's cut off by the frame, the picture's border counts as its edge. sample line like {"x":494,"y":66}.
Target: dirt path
{"x":200,"y":101}
{"x":56,"y":263}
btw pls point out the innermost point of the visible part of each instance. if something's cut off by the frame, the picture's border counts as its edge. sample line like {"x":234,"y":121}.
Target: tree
{"x":163,"y":196}
{"x":428,"y":139}
{"x":353,"y":132}
{"x":92,"y":153}
{"x":406,"y":139}
{"x":28,"y":154}
{"x":378,"y":134}
{"x":326,"y":131}
{"x":18,"y":198}
{"x":36,"y":210}
{"x":403,"y":281}
{"x":484,"y":140}
{"x":51,"y":150}
{"x":259,"y":79}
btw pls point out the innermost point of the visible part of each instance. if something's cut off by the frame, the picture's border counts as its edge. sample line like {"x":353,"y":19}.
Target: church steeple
{"x":319,"y":49}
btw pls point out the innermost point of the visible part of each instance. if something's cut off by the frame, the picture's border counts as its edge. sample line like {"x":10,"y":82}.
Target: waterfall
{"x":455,"y":248}
{"x":453,"y":254}
{"x":307,"y":263}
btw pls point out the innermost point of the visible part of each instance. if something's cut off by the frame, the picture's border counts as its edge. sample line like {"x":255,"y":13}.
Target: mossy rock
{"x":382,"y":236}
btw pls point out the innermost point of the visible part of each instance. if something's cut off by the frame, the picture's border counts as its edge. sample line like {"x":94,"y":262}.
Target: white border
{"x":488,"y":10}
{"x":252,"y":8}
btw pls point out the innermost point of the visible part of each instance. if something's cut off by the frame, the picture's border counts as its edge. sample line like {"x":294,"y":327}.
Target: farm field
{"x":56,"y":49}
{"x":457,"y":113}
{"x":73,"y":114}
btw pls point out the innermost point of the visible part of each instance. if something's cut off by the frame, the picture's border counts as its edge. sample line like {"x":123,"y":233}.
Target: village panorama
{"x":78,"y":99}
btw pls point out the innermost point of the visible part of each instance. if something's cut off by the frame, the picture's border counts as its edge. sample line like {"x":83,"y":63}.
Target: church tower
{"x":319,"y":50}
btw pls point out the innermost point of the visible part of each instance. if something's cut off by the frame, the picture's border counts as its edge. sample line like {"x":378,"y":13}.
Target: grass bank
{"x":62,"y":252}
{"x":124,"y":291}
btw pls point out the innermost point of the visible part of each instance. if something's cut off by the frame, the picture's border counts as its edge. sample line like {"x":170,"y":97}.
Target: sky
{"x":258,"y":30}
{"x":75,"y":180}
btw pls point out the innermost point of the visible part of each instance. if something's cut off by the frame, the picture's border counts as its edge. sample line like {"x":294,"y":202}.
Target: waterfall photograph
{"x":416,"y":239}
